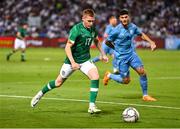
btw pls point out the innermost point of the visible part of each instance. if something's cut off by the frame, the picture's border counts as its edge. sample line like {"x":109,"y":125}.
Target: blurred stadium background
{"x":49,"y":23}
{"x":52,"y":19}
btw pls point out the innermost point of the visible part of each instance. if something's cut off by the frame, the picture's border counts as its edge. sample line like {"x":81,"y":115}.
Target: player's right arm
{"x":109,"y":44}
{"x":19,"y":35}
{"x":71,"y":40}
{"x":111,"y":38}
{"x":68,"y":51}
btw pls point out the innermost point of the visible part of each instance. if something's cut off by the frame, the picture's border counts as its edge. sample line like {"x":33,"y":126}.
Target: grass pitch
{"x":66,"y":107}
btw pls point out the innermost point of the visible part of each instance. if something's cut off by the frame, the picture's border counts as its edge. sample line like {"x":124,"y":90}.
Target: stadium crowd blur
{"x":54,"y":18}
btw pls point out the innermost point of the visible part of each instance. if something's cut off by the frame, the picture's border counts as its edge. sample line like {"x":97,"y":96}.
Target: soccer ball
{"x":130,"y":114}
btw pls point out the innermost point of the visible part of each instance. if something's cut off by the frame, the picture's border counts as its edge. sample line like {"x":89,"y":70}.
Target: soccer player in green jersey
{"x":19,"y":42}
{"x":78,"y":58}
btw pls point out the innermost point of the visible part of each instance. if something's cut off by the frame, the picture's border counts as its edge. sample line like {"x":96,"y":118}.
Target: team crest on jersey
{"x":63,"y":73}
{"x":131,"y":31}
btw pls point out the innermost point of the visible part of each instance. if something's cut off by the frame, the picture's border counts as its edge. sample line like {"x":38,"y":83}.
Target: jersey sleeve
{"x":112,"y":35}
{"x":73,"y":34}
{"x":137,"y":31}
{"x":107,"y":30}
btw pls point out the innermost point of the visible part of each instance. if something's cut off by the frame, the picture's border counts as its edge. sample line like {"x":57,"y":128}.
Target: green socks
{"x":49,"y":86}
{"x":94,"y":90}
{"x":22,"y":56}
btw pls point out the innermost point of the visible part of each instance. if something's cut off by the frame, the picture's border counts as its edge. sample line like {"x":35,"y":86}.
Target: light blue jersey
{"x":108,"y":29}
{"x":123,"y":39}
{"x":124,"y":47}
{"x":105,"y":48}
{"x":125,"y":54}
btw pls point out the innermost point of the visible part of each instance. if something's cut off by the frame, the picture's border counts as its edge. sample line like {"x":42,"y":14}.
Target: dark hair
{"x":89,"y":12}
{"x":111,"y":16}
{"x":124,"y":11}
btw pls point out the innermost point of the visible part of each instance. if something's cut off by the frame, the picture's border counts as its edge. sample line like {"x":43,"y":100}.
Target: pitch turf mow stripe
{"x":151,"y":78}
{"x":102,"y":102}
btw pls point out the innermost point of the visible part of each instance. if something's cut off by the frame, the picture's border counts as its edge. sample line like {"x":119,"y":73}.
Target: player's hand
{"x":75,"y":66}
{"x":153,"y":46}
{"x":104,"y":58}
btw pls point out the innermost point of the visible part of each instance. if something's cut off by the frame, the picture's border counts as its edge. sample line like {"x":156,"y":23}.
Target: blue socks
{"x":116,"y":78}
{"x":143,"y":83}
{"x":95,"y":59}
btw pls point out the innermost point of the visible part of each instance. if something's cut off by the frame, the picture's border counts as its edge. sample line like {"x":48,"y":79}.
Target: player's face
{"x":25,"y":26}
{"x":88,"y":21}
{"x":124,"y":19}
{"x":113,"y":21}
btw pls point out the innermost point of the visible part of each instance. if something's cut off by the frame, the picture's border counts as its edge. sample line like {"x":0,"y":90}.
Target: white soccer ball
{"x":130,"y":114}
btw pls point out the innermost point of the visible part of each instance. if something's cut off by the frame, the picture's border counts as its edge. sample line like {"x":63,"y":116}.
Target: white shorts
{"x":66,"y":69}
{"x":18,"y":43}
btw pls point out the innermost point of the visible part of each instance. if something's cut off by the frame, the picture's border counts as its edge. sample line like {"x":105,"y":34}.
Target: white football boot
{"x":36,"y":98}
{"x":93,"y":110}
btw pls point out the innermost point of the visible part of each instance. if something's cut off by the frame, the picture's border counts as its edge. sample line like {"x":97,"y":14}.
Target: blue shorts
{"x":127,"y":61}
{"x":106,"y":49}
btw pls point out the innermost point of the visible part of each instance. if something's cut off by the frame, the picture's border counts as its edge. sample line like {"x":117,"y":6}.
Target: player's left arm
{"x":98,"y":45}
{"x":152,"y":43}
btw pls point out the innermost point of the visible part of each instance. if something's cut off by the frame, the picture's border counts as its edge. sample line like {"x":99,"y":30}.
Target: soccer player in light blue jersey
{"x":107,"y":50}
{"x":121,"y":39}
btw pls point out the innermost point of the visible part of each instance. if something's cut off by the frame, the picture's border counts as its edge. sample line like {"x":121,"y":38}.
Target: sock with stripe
{"x":93,"y":92}
{"x":49,"y":86}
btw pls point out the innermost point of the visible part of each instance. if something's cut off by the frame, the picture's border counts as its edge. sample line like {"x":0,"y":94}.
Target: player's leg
{"x":16,"y":47}
{"x":10,"y":54}
{"x":65,"y":72}
{"x":23,"y":54}
{"x":137,"y":65}
{"x":23,"y":49}
{"x":123,"y":76}
{"x":115,"y":67}
{"x":114,"y":62}
{"x":96,"y":59}
{"x":91,"y":71}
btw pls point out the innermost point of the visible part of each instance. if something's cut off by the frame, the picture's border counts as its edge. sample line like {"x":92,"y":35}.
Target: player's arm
{"x":98,"y":45}
{"x":152,"y":43}
{"x":111,"y":38}
{"x":105,"y":35}
{"x":109,"y":44}
{"x":68,"y":51}
{"x":19,"y":35}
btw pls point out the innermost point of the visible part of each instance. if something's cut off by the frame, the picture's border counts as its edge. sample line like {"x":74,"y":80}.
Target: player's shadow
{"x":132,"y":96}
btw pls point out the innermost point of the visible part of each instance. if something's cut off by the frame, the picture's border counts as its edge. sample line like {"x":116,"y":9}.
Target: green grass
{"x":26,"y":78}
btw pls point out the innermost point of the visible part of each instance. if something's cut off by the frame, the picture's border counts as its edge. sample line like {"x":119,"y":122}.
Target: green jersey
{"x":23,"y":32}
{"x":82,"y":39}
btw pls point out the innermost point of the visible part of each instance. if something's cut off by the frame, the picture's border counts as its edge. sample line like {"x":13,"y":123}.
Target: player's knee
{"x":141,"y":71}
{"x":126,"y":80}
{"x":95,"y":77}
{"x":58,"y":82}
{"x":93,"y":74}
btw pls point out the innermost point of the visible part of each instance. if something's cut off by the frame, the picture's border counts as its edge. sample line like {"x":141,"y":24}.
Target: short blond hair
{"x":89,"y":12}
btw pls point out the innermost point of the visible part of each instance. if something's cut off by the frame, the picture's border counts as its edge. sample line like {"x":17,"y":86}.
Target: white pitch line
{"x":102,"y":102}
{"x":86,"y":80}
